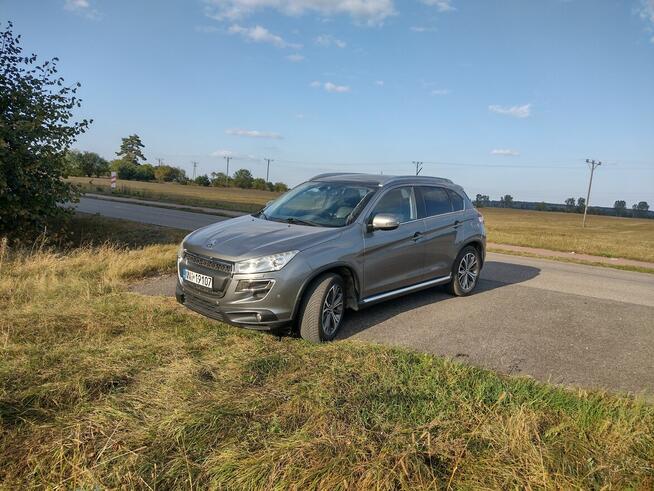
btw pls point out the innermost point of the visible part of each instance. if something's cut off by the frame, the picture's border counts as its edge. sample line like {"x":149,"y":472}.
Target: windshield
{"x":324,"y":204}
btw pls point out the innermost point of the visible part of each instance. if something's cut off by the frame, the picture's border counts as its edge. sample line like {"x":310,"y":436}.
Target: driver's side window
{"x":400,"y":202}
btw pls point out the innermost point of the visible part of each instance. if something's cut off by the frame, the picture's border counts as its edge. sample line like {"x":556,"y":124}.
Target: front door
{"x":393,"y":258}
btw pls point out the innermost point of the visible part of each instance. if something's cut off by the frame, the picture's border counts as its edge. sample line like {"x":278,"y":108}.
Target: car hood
{"x":247,"y":237}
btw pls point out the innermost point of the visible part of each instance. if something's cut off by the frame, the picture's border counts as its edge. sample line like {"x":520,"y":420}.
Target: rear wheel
{"x":323,"y":309}
{"x":465,"y":272}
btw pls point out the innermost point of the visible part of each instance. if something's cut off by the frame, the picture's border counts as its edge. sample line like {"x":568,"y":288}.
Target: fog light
{"x":254,"y":286}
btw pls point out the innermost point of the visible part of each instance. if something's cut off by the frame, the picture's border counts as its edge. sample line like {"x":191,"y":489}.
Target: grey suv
{"x":335,"y":242}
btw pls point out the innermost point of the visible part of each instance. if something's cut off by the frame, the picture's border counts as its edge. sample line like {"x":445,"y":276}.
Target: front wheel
{"x":323,"y":309}
{"x":465,"y":272}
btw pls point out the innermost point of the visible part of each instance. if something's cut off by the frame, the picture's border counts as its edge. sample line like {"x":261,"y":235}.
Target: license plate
{"x":197,"y":278}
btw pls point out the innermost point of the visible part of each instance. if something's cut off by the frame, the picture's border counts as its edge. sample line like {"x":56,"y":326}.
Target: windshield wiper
{"x":299,"y":221}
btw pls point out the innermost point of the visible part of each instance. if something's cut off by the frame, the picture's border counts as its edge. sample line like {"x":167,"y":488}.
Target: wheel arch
{"x":345,"y":271}
{"x":477,"y":244}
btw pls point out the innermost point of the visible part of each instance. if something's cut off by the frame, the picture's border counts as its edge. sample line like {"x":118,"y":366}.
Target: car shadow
{"x":494,"y":275}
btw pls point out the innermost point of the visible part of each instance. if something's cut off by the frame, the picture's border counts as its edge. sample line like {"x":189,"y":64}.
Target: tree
{"x":482,"y":200}
{"x":36,"y":130}
{"x":620,"y":207}
{"x":86,"y":163}
{"x":640,"y":209}
{"x":168,"y":173}
{"x":506,"y":201}
{"x":243,"y":179}
{"x":542,"y":206}
{"x":130,"y":150}
{"x":260,"y":183}
{"x":219,"y":179}
{"x":280,"y":187}
{"x":202,"y":180}
{"x":570,"y":204}
{"x":581,"y":204}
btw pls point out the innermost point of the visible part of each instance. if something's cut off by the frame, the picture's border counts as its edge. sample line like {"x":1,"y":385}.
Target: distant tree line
{"x":131,"y":165}
{"x":570,"y":205}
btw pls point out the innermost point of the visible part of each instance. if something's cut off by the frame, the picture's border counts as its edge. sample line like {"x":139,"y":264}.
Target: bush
{"x":168,"y":173}
{"x":36,"y":130}
{"x":243,"y":179}
{"x":202,"y":180}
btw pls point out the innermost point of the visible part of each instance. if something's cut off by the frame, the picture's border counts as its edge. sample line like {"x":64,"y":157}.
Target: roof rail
{"x":332,"y":174}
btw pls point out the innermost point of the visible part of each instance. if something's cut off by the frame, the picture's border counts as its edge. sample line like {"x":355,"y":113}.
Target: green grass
{"x":235,"y":199}
{"x":100,"y":387}
{"x":629,"y":238}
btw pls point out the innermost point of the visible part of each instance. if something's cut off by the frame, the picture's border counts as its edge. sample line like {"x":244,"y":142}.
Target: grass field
{"x":248,"y":200}
{"x":629,"y":238}
{"x":103,"y":388}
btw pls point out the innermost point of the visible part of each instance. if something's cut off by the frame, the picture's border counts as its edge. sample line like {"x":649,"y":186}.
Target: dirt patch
{"x":157,"y":286}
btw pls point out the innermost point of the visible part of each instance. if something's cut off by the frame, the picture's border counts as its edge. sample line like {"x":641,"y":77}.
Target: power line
{"x":592,"y":165}
{"x":268,"y":168}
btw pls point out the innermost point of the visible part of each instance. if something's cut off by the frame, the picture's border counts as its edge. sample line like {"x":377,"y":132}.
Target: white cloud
{"x":222,"y":153}
{"x":330,"y":87}
{"x":295,"y":57}
{"x":82,"y":7}
{"x":327,"y":40}
{"x":421,"y":29}
{"x":259,"y":34}
{"x":371,"y":12}
{"x":441,"y":92}
{"x":647,"y":13}
{"x":299,"y":116}
{"x":253,"y":133}
{"x":379,"y":83}
{"x":441,"y":5}
{"x":515,"y":111}
{"x":507,"y":152}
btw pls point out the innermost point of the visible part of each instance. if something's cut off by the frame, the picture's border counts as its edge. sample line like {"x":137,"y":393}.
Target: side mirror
{"x":385,"y":221}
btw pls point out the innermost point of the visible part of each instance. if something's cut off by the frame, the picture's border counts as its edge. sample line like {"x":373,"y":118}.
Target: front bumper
{"x":261,"y":311}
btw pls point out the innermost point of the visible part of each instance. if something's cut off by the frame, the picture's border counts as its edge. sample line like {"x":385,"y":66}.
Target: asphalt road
{"x":569,"y":324}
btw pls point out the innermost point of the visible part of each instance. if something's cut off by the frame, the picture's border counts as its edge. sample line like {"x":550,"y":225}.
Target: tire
{"x":465,"y":272}
{"x":318,"y":321}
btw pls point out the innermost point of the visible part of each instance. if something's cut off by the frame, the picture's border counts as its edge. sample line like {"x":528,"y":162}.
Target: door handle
{"x":416,"y":236}
{"x":457,"y":223}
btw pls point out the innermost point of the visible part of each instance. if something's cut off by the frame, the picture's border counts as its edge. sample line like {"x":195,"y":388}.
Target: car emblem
{"x":211,"y":243}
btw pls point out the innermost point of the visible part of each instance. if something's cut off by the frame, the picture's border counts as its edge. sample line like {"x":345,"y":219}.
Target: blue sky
{"x":502,"y":96}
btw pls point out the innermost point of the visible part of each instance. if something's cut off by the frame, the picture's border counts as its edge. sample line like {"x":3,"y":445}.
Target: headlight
{"x":275,"y":262}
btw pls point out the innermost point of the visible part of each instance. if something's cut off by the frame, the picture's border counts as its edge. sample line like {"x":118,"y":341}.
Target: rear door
{"x":441,"y":223}
{"x":393,"y":258}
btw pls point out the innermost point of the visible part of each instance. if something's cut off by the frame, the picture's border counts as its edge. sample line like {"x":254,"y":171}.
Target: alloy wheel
{"x":332,"y":310}
{"x":468,"y":271}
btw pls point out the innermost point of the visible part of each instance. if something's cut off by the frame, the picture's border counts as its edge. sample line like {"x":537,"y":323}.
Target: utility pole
{"x":268,"y":168}
{"x":159,"y":161}
{"x":195,"y":166}
{"x":418,"y":166}
{"x":228,"y":158}
{"x":592,"y":164}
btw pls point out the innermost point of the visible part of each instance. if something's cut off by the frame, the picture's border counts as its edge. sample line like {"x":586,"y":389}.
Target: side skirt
{"x":403,"y":291}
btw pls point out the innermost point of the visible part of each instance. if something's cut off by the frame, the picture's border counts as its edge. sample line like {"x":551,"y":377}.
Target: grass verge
{"x":102,"y":387}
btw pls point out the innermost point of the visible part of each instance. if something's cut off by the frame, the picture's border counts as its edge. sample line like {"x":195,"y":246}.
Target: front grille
{"x":209,"y":263}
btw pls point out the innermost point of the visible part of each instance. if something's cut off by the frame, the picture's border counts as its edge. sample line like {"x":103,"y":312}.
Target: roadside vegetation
{"x":226,"y":198}
{"x":100,"y":387}
{"x":629,"y":238}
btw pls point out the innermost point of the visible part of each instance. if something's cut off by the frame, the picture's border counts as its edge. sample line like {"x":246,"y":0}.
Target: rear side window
{"x":457,"y":200}
{"x":437,"y":201}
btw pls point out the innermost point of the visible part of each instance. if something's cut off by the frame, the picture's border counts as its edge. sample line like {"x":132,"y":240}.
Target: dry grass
{"x":248,"y":200}
{"x":100,"y":387}
{"x":628,"y":238}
